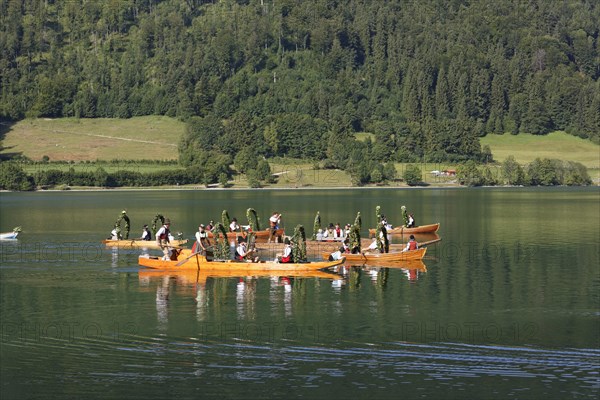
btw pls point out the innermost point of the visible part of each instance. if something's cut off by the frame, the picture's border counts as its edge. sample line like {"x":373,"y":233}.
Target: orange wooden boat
{"x":188,"y":260}
{"x":259,"y":235}
{"x":133,"y":243}
{"x":401,"y":230}
{"x":383,"y":258}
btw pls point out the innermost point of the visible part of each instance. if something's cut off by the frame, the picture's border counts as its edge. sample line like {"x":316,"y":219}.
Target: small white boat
{"x":10,"y":235}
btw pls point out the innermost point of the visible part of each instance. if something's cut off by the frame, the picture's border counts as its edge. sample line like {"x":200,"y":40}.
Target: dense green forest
{"x":299,"y":78}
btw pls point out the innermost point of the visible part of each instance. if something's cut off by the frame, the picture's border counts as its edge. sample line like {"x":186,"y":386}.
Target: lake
{"x":506,"y":306}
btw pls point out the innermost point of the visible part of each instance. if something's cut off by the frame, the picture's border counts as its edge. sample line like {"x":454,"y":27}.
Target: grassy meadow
{"x":72,"y":139}
{"x":559,"y":145}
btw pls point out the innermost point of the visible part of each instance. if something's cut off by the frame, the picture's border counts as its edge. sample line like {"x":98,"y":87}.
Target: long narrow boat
{"x":382,"y":258}
{"x":189,"y":261}
{"x":148,"y":244}
{"x":400,"y":230}
{"x":259,"y":235}
{"x":314,"y":249}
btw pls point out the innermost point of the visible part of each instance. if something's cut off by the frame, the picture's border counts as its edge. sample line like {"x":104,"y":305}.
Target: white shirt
{"x":287,"y":250}
{"x":234,"y":226}
{"x":241,"y":249}
{"x":201,"y":235}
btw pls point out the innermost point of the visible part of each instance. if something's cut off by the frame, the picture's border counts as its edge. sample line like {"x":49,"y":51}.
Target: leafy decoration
{"x":123,"y":216}
{"x":253,"y":219}
{"x":316,"y":226}
{"x":299,"y":244}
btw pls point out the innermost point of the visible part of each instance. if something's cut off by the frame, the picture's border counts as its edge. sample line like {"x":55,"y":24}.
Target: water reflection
{"x":284,"y":293}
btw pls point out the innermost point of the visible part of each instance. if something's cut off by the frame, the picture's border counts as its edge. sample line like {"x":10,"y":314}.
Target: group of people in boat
{"x":333,"y":232}
{"x":243,"y":252}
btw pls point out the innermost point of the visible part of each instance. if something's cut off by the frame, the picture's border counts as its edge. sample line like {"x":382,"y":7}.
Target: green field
{"x":558,"y":145}
{"x":71,"y":139}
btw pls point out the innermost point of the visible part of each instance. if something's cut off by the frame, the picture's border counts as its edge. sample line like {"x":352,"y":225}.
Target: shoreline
{"x":183,"y":188}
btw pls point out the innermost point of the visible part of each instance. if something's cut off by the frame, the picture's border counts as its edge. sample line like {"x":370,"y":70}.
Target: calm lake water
{"x":508,"y":305}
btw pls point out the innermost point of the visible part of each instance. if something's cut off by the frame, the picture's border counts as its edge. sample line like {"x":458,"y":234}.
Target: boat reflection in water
{"x":283,"y":288}
{"x":194,"y":283}
{"x":378,"y":275}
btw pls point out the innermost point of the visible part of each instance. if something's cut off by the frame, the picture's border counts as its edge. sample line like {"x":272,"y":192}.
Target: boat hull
{"x":401,"y":230}
{"x":382,"y":258}
{"x":8,"y":235}
{"x":247,"y":268}
{"x":148,"y":244}
{"x":259,"y":235}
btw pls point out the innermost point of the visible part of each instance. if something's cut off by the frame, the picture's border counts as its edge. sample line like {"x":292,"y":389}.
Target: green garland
{"x":221,"y":246}
{"x":358,"y":220}
{"x":157,"y":218}
{"x":225,"y":220}
{"x":377,"y":222}
{"x":354,"y":236}
{"x":316,"y":226}
{"x":404,"y":215}
{"x":382,"y":245}
{"x":123,"y":216}
{"x":299,"y":246}
{"x":253,"y":219}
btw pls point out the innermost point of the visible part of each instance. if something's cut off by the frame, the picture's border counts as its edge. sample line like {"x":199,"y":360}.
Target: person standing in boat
{"x":163,"y":238}
{"x":274,"y":222}
{"x":202,"y":241}
{"x":411,"y":245}
{"x":146,"y":234}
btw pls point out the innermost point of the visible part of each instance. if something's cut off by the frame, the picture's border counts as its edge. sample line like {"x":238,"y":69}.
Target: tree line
{"x":299,"y":79}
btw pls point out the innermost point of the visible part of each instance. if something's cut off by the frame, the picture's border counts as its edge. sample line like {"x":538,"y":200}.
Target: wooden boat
{"x":148,"y":244}
{"x":401,"y":230}
{"x":314,"y":249}
{"x":191,"y":276}
{"x":382,"y":258}
{"x":195,"y":262}
{"x":259,"y":235}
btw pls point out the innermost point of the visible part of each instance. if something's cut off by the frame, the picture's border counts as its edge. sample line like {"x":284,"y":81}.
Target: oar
{"x":180,"y":263}
{"x":425,"y":244}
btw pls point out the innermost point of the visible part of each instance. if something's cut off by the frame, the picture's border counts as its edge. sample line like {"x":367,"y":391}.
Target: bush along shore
{"x":219,"y":173}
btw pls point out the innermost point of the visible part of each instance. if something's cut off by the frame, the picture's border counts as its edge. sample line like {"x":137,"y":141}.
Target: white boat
{"x":10,"y":235}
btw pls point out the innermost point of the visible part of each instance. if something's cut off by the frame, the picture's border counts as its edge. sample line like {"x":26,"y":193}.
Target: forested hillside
{"x":298,"y":78}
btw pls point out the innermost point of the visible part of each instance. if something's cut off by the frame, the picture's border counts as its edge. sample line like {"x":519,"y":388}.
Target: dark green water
{"x":508,"y":306}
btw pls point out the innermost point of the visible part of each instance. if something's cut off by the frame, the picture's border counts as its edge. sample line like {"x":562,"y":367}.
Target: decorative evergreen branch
{"x":316,"y":226}
{"x":253,"y":219}
{"x":299,"y":244}
{"x":221,"y":246}
{"x":123,"y":216}
{"x":404,"y":215}
{"x":157,"y":217}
